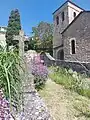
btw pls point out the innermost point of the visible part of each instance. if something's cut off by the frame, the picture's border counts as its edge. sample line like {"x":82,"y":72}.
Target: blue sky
{"x":33,"y":11}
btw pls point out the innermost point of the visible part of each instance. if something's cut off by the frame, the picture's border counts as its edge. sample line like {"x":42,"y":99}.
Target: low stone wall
{"x":76,"y":66}
{"x":34,"y":107}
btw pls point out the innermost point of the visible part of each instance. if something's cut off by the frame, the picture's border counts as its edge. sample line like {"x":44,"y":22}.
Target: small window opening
{"x":73,"y":46}
{"x":74,"y":14}
{"x":63,"y":16}
{"x":57,"y":20}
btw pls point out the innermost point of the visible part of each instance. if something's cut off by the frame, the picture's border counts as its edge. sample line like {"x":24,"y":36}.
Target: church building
{"x":71,"y":40}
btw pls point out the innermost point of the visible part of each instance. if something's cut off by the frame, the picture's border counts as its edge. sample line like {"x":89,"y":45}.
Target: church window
{"x":63,"y":16}
{"x":74,"y":14}
{"x":73,"y":46}
{"x":57,"y":20}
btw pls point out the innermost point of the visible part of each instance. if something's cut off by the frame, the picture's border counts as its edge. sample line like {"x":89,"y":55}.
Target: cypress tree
{"x":14,"y":25}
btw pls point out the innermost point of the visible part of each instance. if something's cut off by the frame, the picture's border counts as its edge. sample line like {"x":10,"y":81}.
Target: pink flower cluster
{"x":38,"y":68}
{"x":4,"y":108}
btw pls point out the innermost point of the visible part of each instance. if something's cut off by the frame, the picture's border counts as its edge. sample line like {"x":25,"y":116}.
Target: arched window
{"x":74,"y":14}
{"x":73,"y":46}
{"x":63,"y":16}
{"x":57,"y":20}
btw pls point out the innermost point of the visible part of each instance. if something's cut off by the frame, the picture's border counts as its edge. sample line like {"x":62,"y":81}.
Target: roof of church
{"x":74,"y":20}
{"x":66,"y":3}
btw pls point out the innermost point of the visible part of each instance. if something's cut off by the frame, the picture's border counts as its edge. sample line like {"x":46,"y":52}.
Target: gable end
{"x":66,"y":3}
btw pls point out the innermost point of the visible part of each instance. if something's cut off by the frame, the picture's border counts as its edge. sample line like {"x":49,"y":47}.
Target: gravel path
{"x":61,"y":102}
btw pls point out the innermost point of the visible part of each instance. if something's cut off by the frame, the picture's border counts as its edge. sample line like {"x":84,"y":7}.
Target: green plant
{"x":83,"y":107}
{"x":9,"y":76}
{"x":42,"y":38}
{"x":14,"y":25}
{"x":60,"y":76}
{"x":71,"y":80}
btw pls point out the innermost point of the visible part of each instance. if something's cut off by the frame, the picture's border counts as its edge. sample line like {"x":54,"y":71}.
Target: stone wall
{"x":57,"y":36}
{"x":71,"y":9}
{"x":34,"y":107}
{"x":80,"y":32}
{"x":57,"y":39}
{"x":75,"y":66}
{"x":68,"y":8}
{"x":49,"y":61}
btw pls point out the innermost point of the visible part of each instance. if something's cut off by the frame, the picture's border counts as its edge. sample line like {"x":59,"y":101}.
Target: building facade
{"x":2,"y":36}
{"x":71,"y":40}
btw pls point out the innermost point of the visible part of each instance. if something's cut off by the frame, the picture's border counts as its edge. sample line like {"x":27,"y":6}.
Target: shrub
{"x":40,"y":72}
{"x":9,"y":76}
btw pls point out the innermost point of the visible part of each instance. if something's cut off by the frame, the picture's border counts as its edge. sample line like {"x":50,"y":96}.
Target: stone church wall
{"x":57,"y":40}
{"x":80,"y":32}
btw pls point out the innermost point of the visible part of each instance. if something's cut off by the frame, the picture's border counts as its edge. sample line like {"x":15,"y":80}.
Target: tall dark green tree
{"x":14,"y":25}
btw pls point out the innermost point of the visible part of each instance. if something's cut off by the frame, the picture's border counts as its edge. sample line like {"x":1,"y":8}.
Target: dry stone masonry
{"x":33,"y":107}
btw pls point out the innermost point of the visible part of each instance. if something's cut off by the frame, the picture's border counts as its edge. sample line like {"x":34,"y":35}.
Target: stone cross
{"x":21,"y":38}
{"x":28,"y":78}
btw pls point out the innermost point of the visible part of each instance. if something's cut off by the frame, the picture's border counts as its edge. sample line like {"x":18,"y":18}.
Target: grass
{"x":71,"y":80}
{"x":83,"y":108}
{"x":61,"y":78}
{"x":10,"y":81}
{"x":64,"y":104}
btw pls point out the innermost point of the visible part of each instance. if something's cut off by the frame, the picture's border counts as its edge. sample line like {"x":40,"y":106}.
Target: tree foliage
{"x":42,"y":37}
{"x":14,"y":25}
{"x":43,"y":30}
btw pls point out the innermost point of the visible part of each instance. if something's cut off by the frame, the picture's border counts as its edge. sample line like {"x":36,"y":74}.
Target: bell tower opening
{"x":57,"y":20}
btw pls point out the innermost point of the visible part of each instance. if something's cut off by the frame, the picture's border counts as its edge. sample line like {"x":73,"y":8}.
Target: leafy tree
{"x":43,"y":30}
{"x":14,"y":25}
{"x":34,"y":43}
{"x":42,"y":37}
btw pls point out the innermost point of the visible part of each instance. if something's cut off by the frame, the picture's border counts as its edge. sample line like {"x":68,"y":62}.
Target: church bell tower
{"x":62,"y":17}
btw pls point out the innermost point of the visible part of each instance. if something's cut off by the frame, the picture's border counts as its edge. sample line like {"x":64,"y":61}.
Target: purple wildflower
{"x":4,"y":108}
{"x":39,"y":71}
